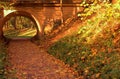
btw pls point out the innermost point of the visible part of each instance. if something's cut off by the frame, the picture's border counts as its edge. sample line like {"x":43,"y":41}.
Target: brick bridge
{"x":39,"y":13}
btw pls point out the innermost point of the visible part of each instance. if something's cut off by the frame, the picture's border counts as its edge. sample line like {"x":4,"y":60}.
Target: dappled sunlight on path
{"x":32,"y":62}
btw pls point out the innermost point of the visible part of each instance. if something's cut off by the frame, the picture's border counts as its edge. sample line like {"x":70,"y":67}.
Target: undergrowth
{"x":2,"y":60}
{"x":5,"y":72}
{"x":94,"y":51}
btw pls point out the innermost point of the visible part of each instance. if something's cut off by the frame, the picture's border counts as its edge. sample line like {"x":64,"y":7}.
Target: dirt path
{"x":32,"y":62}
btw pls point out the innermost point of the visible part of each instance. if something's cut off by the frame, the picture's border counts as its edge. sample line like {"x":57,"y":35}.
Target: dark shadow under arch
{"x":22,"y":13}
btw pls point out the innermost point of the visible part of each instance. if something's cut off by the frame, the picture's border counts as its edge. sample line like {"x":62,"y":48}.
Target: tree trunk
{"x":1,"y":19}
{"x":14,"y":22}
{"x":62,"y":20}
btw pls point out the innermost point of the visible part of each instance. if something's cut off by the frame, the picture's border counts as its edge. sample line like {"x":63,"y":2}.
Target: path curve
{"x":32,"y":62}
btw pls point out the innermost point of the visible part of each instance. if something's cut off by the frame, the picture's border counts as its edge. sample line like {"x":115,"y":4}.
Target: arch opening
{"x":20,"y":25}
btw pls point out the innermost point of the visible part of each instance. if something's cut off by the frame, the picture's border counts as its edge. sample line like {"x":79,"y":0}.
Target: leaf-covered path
{"x":32,"y":62}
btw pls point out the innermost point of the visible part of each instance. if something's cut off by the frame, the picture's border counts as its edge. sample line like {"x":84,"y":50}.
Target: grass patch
{"x":97,"y":60}
{"x":20,"y":33}
{"x":95,"y":50}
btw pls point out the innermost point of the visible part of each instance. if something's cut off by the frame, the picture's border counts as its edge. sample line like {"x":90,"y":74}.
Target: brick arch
{"x":26,"y":14}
